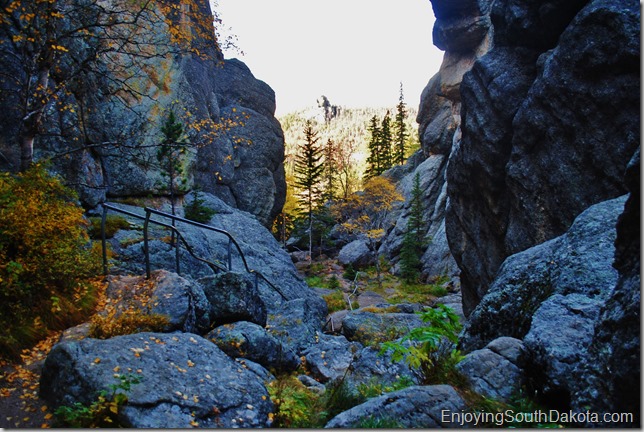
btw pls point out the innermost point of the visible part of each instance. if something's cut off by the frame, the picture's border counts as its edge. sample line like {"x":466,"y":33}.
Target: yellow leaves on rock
{"x":97,"y":360}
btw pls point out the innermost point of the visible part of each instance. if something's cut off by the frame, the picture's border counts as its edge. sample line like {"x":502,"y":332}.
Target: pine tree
{"x":330,"y":170}
{"x":414,"y":241}
{"x":373,"y":161}
{"x":169,"y":153}
{"x":386,"y":140}
{"x":380,"y":155}
{"x":400,"y":133}
{"x":308,"y":176}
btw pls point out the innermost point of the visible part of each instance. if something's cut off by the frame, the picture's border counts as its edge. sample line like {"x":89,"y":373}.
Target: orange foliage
{"x":45,"y":258}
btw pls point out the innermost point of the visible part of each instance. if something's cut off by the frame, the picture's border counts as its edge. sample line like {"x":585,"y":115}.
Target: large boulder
{"x":329,"y":358}
{"x":185,"y":380}
{"x":578,"y":262}
{"x":495,"y":371}
{"x":373,"y":325}
{"x":356,"y":254}
{"x":297,"y":323}
{"x":250,"y":341}
{"x":557,"y":343}
{"x":413,"y":407}
{"x":550,"y":119}
{"x":233,"y":298}
{"x":182,"y":301}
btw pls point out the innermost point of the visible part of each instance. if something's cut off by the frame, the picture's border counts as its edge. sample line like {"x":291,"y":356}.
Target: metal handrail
{"x":213,"y":266}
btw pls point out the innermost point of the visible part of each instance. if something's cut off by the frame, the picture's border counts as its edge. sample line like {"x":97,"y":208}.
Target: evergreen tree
{"x":380,"y":155}
{"x":414,"y":241}
{"x":169,"y":153}
{"x":308,"y":176}
{"x":400,"y":133}
{"x":386,"y":140}
{"x":373,"y":161}
{"x":330,"y":170}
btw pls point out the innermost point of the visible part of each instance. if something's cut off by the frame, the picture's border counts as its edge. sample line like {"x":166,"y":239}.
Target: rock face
{"x":613,"y":363}
{"x":540,"y":111}
{"x":236,"y":145}
{"x":182,"y":378}
{"x":561,"y":298}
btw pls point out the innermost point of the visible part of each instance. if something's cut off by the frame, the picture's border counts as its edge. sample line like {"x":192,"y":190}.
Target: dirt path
{"x":20,"y":406}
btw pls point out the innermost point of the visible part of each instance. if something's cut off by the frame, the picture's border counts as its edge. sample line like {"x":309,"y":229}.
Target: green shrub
{"x":113,"y":223}
{"x":339,"y":398}
{"x":349,"y":273}
{"x":335,"y":301}
{"x":438,"y":290}
{"x":374,"y":388}
{"x":428,"y":353}
{"x":333,"y":283}
{"x":197,"y":211}
{"x":295,"y":405}
{"x":314,"y":281}
{"x":101,"y":413}
{"x":45,"y":259}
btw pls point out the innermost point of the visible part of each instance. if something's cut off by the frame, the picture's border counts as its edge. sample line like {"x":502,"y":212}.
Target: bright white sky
{"x":355,"y":52}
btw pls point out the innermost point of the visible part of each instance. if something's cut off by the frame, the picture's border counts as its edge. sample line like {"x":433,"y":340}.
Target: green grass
{"x":335,"y":301}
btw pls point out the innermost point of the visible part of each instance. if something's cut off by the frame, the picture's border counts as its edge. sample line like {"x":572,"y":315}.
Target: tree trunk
{"x":26,"y":151}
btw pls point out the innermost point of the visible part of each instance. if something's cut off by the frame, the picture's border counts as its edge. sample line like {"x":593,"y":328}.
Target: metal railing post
{"x":230,"y":255}
{"x":146,"y":249}
{"x":103,"y":241}
{"x":176,"y":255}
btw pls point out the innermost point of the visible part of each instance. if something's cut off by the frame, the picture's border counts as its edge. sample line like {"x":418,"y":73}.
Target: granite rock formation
{"x":550,"y":119}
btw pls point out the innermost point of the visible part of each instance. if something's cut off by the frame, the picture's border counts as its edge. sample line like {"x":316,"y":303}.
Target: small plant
{"x":375,"y":389}
{"x":101,"y":413}
{"x":113,"y":223}
{"x":428,"y":352}
{"x":333,"y":283}
{"x":339,"y":398}
{"x":197,"y":211}
{"x":378,"y":423}
{"x":335,"y":301}
{"x":294,"y":403}
{"x":438,"y":290}
{"x":314,"y":281}
{"x":128,"y":322}
{"x":349,"y":272}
